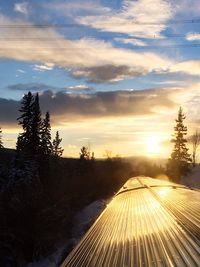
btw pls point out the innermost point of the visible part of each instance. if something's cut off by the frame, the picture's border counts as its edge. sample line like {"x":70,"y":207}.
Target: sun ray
{"x":153,"y":145}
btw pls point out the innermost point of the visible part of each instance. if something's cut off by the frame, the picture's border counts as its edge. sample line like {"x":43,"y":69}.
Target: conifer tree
{"x":179,"y":162}
{"x":36,"y":125}
{"x":29,"y":141}
{"x":56,"y":149}
{"x":1,"y":142}
{"x":25,"y":120}
{"x":46,"y":146}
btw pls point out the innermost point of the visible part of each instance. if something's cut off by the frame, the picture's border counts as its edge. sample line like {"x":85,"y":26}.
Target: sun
{"x":153,"y":145}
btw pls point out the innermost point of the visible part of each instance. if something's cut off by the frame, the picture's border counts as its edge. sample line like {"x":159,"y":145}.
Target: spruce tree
{"x":28,"y":142}
{"x":46,"y":146}
{"x":25,"y":120}
{"x":56,"y":149}
{"x":1,"y":142}
{"x":36,"y":125}
{"x":179,"y":162}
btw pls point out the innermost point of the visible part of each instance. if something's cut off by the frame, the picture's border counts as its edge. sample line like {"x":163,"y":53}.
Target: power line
{"x":90,"y":48}
{"x":169,"y":46}
{"x":49,"y":25}
{"x":111,"y":37}
{"x":92,"y":37}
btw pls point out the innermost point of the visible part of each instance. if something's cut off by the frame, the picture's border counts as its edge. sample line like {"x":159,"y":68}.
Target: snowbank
{"x":83,"y":220}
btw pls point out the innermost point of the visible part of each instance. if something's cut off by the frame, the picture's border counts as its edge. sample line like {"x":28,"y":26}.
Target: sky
{"x":112,"y":74}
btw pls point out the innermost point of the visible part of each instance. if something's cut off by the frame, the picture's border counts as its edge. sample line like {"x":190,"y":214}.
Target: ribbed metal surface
{"x":148,"y":223}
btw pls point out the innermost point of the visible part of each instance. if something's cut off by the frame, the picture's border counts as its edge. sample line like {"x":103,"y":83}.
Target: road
{"x":149,"y":222}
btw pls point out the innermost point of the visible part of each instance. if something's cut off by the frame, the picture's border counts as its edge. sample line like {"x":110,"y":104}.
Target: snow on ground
{"x":51,"y":261}
{"x":193,"y":178}
{"x":82,"y":221}
{"x":85,"y":218}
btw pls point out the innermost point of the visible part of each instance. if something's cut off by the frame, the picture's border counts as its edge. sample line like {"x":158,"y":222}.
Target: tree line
{"x":180,"y":161}
{"x":35,"y":140}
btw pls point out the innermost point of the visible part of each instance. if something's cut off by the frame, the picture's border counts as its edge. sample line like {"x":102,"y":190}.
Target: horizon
{"x":112,"y":74}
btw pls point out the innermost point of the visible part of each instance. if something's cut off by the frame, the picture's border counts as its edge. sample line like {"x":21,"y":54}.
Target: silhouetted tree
{"x":46,"y":145}
{"x":25,"y":120}
{"x":36,"y":125}
{"x":1,"y":142}
{"x":180,"y":159}
{"x":84,"y":154}
{"x":29,"y":141}
{"x":195,"y":141}
{"x":56,"y":149}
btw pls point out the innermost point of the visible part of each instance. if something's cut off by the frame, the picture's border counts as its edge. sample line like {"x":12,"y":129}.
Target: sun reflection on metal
{"x":148,"y":223}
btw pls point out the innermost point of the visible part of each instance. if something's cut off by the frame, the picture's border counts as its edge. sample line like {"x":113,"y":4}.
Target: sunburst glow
{"x":153,"y":145}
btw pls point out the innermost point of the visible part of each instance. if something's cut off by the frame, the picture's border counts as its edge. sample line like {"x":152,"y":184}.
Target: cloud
{"x":32,"y":87}
{"x":79,"y":87}
{"x":109,"y":73}
{"x":73,"y":108}
{"x":10,"y":108}
{"x":40,"y":87}
{"x":43,"y":45}
{"x":192,"y":36}
{"x":21,"y":71}
{"x":133,"y":41}
{"x":191,"y":67}
{"x":21,"y":8}
{"x":143,"y":18}
{"x":187,"y":8}
{"x":118,"y":103}
{"x":65,"y":107}
{"x":71,"y":8}
{"x":44,"y":67}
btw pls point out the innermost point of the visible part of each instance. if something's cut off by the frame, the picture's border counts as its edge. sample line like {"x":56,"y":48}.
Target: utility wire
{"x":66,"y":25}
{"x":89,"y":48}
{"x":92,"y":37}
{"x":99,"y":35}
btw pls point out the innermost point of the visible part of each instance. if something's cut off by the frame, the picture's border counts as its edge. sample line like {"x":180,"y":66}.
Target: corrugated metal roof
{"x":148,"y":223}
